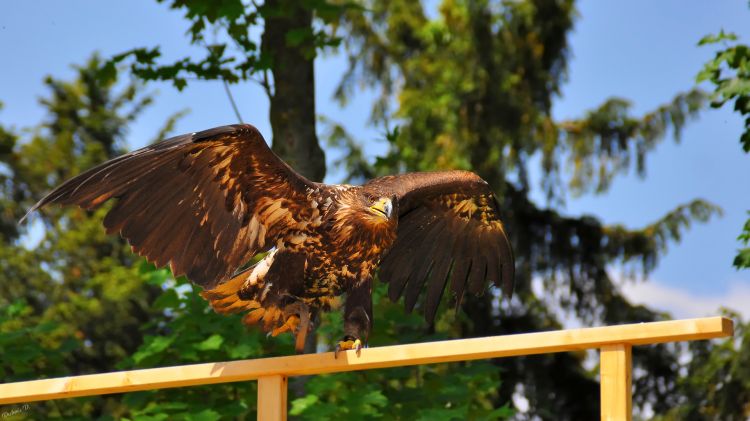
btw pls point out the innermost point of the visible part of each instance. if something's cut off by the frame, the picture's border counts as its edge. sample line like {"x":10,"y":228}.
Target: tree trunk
{"x":293,"y":103}
{"x":293,"y":97}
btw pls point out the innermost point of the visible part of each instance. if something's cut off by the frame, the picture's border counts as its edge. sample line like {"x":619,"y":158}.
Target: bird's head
{"x":362,"y":211}
{"x":380,"y":207}
{"x":378,"y":214}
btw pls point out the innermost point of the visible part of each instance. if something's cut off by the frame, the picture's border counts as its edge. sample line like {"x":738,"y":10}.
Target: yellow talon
{"x":289,"y":326}
{"x":346,"y":345}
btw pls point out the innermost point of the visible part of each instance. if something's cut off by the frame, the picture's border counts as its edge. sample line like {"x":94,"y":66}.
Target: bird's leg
{"x":297,"y":316}
{"x":357,"y":318}
{"x":303,"y":328}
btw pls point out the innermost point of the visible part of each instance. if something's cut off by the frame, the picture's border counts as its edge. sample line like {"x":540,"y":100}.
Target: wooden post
{"x":616,"y":372}
{"x":272,"y":398}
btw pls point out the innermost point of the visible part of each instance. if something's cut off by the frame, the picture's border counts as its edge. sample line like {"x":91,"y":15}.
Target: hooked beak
{"x":382,"y":207}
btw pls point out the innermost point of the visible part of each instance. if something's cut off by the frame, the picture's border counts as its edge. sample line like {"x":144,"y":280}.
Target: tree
{"x":715,"y":382}
{"x":469,"y":88}
{"x":66,"y":292}
{"x":282,"y":64}
{"x":473,"y":88}
{"x":729,"y":74}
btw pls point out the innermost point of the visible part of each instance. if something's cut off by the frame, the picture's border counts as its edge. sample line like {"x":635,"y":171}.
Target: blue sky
{"x":637,"y":49}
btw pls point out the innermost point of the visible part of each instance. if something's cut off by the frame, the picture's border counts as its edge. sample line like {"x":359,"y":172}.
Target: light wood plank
{"x":272,"y":395}
{"x":616,"y":377}
{"x":379,"y":357}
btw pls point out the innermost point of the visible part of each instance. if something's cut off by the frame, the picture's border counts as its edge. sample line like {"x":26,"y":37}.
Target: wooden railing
{"x":615,"y":344}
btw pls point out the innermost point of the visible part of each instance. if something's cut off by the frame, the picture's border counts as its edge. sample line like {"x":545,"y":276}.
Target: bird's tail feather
{"x":225,"y":299}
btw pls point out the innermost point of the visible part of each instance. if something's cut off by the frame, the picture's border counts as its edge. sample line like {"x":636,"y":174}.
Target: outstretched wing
{"x":449,"y":230}
{"x":204,"y":203}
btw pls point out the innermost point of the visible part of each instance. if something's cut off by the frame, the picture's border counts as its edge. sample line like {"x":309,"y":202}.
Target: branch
{"x":604,"y":142}
{"x":231,"y":100}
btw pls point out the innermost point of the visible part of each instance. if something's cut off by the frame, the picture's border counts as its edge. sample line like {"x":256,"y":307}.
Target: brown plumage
{"x":206,"y":203}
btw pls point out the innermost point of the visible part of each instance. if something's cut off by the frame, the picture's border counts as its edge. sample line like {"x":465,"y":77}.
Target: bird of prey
{"x":206,"y":203}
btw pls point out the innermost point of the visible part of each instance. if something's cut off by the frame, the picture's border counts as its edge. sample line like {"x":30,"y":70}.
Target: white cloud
{"x":683,"y":304}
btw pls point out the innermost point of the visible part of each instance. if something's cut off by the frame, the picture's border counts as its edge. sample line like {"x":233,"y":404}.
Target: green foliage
{"x":26,"y":349}
{"x":715,"y":384}
{"x":716,"y":380}
{"x":66,"y":291}
{"x":445,"y":392}
{"x":721,"y":36}
{"x":742,"y":260}
{"x":187,"y":331}
{"x":353,"y":160}
{"x":602,"y":143}
{"x":224,"y":30}
{"x":729,"y":73}
{"x":629,"y":244}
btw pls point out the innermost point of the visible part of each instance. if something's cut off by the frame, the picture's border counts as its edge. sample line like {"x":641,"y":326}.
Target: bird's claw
{"x":346,"y":345}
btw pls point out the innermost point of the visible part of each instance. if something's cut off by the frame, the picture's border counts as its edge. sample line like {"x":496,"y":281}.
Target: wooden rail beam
{"x":613,"y":340}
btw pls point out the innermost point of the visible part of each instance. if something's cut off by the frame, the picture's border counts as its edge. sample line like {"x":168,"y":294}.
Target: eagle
{"x":208,"y":203}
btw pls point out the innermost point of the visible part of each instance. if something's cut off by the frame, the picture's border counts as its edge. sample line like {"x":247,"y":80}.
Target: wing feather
{"x":426,"y":260}
{"x":435,"y":288}
{"x":189,"y":201}
{"x":402,"y":267}
{"x":460,"y":270}
{"x":449,"y":229}
{"x":491,"y":254}
{"x":477,"y":275}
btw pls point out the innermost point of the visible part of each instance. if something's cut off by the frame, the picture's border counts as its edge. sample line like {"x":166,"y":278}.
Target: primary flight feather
{"x":206,"y":203}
